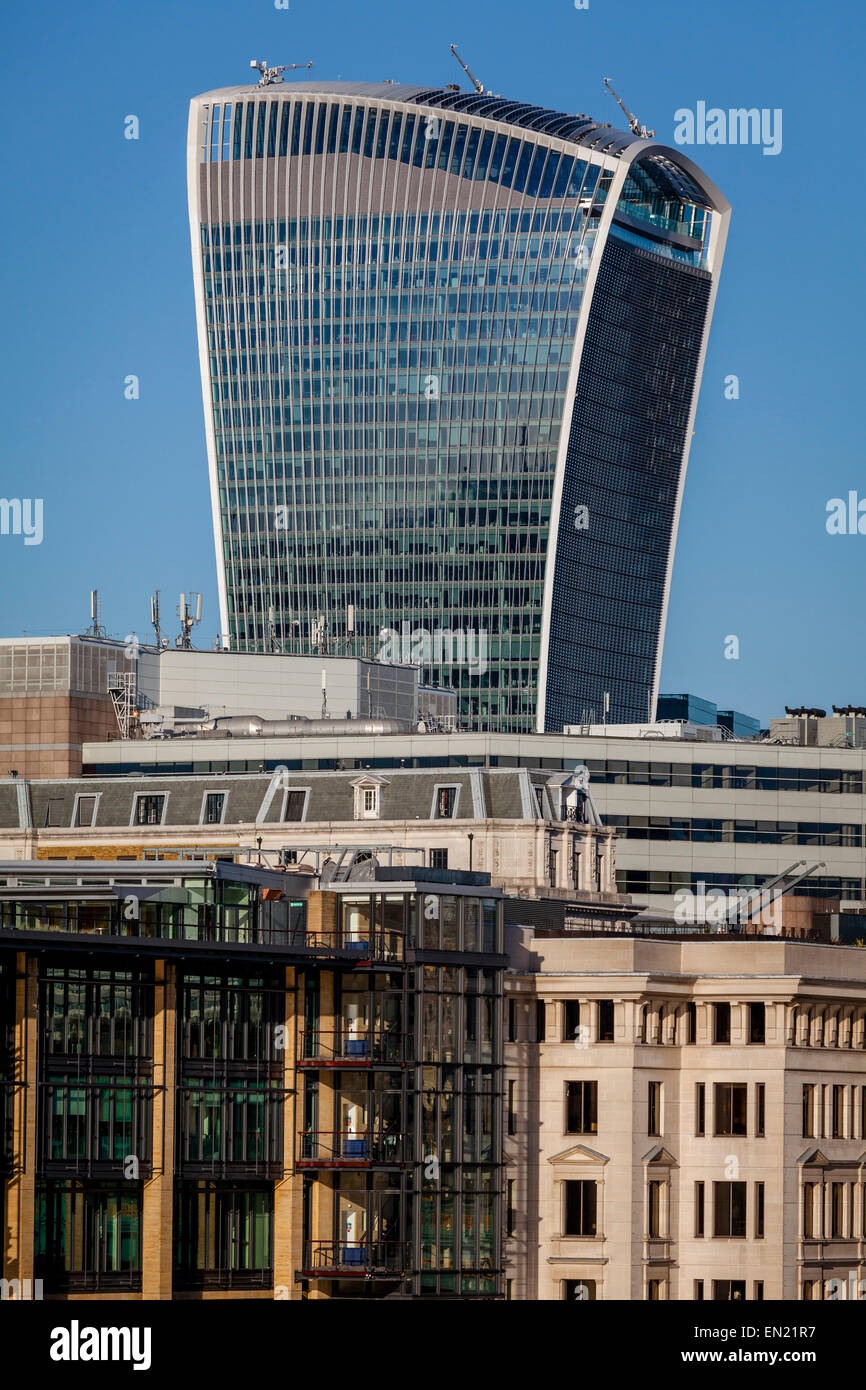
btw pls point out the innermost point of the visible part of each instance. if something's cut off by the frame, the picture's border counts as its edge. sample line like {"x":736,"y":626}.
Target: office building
{"x":532,"y":833}
{"x":686,"y":1118}
{"x":729,"y":815}
{"x":56,"y":693}
{"x":450,"y":348}
{"x":54,"y":696}
{"x":221,"y":1081}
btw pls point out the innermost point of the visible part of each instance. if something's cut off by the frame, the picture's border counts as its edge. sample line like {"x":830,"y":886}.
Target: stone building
{"x":686,"y":1118}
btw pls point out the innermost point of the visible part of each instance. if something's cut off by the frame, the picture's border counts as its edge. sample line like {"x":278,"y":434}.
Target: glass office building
{"x":450,"y":349}
{"x":217,"y":1080}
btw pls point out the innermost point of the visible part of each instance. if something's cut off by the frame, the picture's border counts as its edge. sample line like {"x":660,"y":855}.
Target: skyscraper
{"x":451,"y":347}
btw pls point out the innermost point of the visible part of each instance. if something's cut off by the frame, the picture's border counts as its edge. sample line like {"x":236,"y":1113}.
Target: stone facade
{"x":781,"y":1168}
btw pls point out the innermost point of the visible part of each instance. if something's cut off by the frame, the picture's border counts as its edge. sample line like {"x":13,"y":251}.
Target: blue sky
{"x":95,"y":283}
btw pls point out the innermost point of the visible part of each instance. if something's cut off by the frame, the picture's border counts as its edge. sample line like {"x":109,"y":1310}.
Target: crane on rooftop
{"x":271,"y":75}
{"x":634,"y":124}
{"x":479,"y":86}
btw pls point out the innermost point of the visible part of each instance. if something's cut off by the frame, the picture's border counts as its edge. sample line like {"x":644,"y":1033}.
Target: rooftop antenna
{"x":634,"y":124}
{"x":96,"y":629}
{"x":154,"y":618}
{"x":479,"y":86}
{"x":271,"y":75}
{"x":189,"y":612}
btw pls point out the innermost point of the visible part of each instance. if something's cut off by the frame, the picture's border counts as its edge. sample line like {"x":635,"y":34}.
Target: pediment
{"x":660,"y":1155}
{"x":369,"y":779}
{"x":579,"y":1155}
{"x":813,"y":1158}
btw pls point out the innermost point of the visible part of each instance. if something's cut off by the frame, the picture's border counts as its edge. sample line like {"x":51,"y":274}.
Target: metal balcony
{"x":347,"y":1149}
{"x":352,"y":1048}
{"x":347,"y":1259}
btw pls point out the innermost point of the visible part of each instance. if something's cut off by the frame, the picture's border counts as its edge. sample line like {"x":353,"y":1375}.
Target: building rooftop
{"x":574,"y":127}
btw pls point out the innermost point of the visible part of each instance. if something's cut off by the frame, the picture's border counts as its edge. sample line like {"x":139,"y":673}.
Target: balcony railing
{"x":379,"y":946}
{"x":358,"y":1047}
{"x":347,"y":1149}
{"x":354,"y":1257}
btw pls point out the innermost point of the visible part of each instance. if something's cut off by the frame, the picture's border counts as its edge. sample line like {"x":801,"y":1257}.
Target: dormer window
{"x":368,"y":792}
{"x":149,"y":809}
{"x":445,"y":802}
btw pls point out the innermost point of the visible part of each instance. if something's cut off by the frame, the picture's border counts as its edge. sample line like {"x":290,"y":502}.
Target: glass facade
{"x":402,"y":1105}
{"x":389,"y":299}
{"x":364,"y":1057}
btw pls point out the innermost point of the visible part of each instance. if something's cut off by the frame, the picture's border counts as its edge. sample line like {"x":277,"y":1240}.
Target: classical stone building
{"x":686,"y":1118}
{"x":535,"y":833}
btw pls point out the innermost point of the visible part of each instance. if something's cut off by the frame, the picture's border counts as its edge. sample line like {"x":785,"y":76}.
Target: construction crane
{"x":479,"y":86}
{"x":634,"y":124}
{"x":271,"y":75}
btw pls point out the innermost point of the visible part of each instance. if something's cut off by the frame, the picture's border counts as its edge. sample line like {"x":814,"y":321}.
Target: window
{"x":213,"y":808}
{"x":808,"y":1111}
{"x":85,"y":811}
{"x":700,"y":1108}
{"x":654,"y":1107}
{"x":760,"y":1109}
{"x":759,"y":1211}
{"x":838,"y":1113}
{"x":539,"y":1020}
{"x":224,"y":1238}
{"x":367,"y":798}
{"x":571,"y":1028}
{"x":552,"y":859}
{"x":54,"y":812}
{"x":512,"y":1118}
{"x":690,"y":1024}
{"x":509,"y":1207}
{"x":149,"y":810}
{"x":445,"y":803}
{"x":837,"y":1210}
{"x":729,"y":1290}
{"x":605,"y":1020}
{"x":757,"y":1023}
{"x":729,"y":1209}
{"x":580,"y":1208}
{"x":730,"y":1108}
{"x":295,"y":805}
{"x":721,"y":1023}
{"x":759,"y":1290}
{"x":809,"y":1191}
{"x":438,"y":859}
{"x":584,"y":1290}
{"x":88,"y":1237}
{"x":581,"y":1107}
{"x":699,"y":1209}
{"x":512,"y":1020}
{"x":655,"y":1196}
{"x":699,"y":1290}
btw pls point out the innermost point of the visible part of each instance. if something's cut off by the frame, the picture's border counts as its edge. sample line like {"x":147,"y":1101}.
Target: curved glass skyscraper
{"x":450,"y":349}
